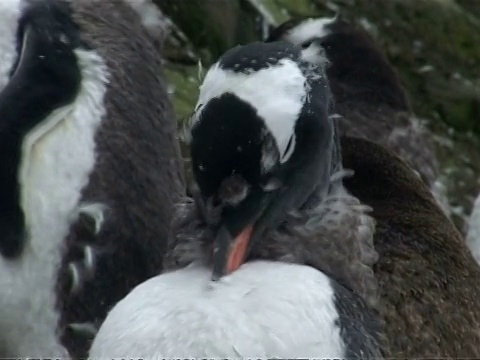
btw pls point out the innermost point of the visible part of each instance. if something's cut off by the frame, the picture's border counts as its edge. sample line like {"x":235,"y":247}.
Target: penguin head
{"x":38,"y":43}
{"x":304,"y":31}
{"x":358,"y":70}
{"x":261,"y":141}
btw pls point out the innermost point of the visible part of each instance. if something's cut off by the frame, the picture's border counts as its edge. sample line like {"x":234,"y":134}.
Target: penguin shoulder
{"x":425,"y":269}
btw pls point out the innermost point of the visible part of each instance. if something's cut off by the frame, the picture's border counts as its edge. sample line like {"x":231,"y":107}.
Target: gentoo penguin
{"x":368,"y":93}
{"x":90,"y":168}
{"x":262,"y":145}
{"x":428,"y":280}
{"x":473,"y":230}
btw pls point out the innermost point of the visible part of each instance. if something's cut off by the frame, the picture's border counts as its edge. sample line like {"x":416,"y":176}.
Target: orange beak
{"x":230,"y":253}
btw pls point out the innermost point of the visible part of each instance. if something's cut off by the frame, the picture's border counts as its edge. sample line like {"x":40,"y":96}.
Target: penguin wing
{"x":360,"y":327}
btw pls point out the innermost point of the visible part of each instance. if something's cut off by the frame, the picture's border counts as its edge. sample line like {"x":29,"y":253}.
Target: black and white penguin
{"x":427,"y":278}
{"x":473,"y":230}
{"x":368,"y":93}
{"x":90,"y":167}
{"x":262,"y":146}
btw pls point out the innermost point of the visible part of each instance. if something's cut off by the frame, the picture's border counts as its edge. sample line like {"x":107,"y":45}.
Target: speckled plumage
{"x":429,"y":286}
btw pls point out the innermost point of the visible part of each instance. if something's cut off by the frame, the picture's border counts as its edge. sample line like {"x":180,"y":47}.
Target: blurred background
{"x":433,"y":44}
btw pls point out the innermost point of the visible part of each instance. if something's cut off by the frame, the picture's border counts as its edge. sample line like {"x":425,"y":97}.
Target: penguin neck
{"x":336,"y":173}
{"x":333,"y":233}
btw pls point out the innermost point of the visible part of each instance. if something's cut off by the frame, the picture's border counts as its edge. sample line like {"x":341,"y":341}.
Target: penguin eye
{"x":233,"y":190}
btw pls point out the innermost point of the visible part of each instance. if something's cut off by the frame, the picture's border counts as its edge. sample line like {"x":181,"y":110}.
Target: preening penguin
{"x":264,"y":157}
{"x":368,"y":93}
{"x":261,"y":143}
{"x":89,"y":161}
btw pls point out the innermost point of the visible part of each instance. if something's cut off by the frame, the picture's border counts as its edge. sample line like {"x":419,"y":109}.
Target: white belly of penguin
{"x":57,"y":159}
{"x":263,"y":310}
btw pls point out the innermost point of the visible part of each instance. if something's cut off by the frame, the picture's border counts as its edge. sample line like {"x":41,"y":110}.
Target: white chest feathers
{"x":264,"y":310}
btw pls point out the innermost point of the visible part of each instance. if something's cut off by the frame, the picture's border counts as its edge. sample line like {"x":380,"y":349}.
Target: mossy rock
{"x":183,"y":86}
{"x":282,"y":10}
{"x":432,"y":43}
{"x":459,"y":156}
